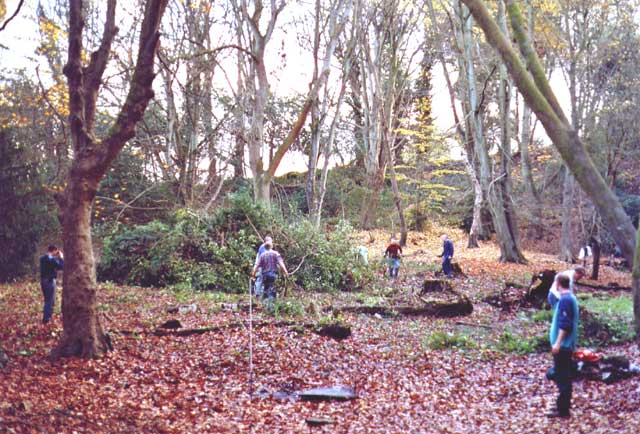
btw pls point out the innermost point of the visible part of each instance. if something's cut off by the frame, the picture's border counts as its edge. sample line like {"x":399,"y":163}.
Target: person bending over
{"x":573,"y":275}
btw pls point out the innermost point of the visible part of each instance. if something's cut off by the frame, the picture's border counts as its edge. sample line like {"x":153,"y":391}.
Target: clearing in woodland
{"x":479,"y":373}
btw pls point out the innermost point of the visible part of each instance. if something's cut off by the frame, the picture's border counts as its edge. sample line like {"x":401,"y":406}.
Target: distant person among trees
{"x":563,"y":337}
{"x":268,"y":263}
{"x":261,"y":250}
{"x":584,"y":254}
{"x":446,"y":255}
{"x":50,"y":263}
{"x":573,"y":276}
{"x":393,"y":253}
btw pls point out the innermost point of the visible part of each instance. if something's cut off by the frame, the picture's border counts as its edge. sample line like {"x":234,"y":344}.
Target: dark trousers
{"x":562,"y":366}
{"x":49,"y":292}
{"x":446,"y":265}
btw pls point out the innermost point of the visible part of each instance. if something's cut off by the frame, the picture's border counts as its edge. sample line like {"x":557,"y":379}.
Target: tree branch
{"x":4,"y":25}
{"x":93,"y":72}
{"x":73,"y":71}
{"x":141,"y":90}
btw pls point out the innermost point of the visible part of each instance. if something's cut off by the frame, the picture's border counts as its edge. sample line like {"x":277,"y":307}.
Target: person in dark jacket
{"x":50,"y":263}
{"x":446,"y":255}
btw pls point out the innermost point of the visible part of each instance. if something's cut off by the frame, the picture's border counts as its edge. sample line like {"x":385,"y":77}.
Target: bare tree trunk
{"x":262,"y":176}
{"x":314,"y":157}
{"x":321,"y":190}
{"x":566,"y":235}
{"x":526,"y":140}
{"x":82,"y":332}
{"x":503,"y":192}
{"x":397,"y":200}
{"x":635,"y":282}
{"x":509,"y":250}
{"x":240,"y":101}
{"x":371,"y":200}
{"x":476,"y":232}
{"x":317,"y":120}
{"x":595,"y":249}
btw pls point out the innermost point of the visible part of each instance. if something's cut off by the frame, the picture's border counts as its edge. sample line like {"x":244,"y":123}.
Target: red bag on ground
{"x":586,"y":355}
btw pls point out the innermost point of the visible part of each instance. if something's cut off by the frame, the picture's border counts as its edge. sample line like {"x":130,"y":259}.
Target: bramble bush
{"x":217,"y":252}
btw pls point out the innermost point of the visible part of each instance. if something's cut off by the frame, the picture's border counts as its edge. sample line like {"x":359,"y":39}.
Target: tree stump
{"x":172,"y":324}
{"x":538,"y":295}
{"x":337,"y":331}
{"x":437,"y":285}
{"x":456,"y":270}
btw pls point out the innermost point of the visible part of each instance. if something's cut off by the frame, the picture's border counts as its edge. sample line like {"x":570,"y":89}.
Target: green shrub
{"x":289,"y":307}
{"x":605,"y":320}
{"x":25,"y":212}
{"x":217,"y":252}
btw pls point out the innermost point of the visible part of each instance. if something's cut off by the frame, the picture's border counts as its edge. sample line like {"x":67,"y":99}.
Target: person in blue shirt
{"x":50,"y":263}
{"x":563,"y":337}
{"x":446,"y":255}
{"x":257,"y":288}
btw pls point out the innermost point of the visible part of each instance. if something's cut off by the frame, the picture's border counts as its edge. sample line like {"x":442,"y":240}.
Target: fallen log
{"x":461,"y":307}
{"x":612,"y":286}
{"x":336,"y":330}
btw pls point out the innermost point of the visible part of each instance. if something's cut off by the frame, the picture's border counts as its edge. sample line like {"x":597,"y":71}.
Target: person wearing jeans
{"x":50,"y":263}
{"x":268,"y":264}
{"x":258,"y":283}
{"x":393,"y":253}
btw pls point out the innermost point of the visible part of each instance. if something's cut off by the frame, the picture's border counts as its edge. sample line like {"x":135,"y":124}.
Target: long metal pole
{"x":250,"y":343}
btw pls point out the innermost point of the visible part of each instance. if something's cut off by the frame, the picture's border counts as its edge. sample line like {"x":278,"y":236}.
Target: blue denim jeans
{"x":257,"y":287}
{"x":394,"y":266}
{"x":49,"y":292}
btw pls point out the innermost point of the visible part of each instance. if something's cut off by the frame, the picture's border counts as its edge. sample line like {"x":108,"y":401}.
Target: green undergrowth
{"x":441,"y":340}
{"x":605,"y":320}
{"x":486,"y":341}
{"x":193,"y":251}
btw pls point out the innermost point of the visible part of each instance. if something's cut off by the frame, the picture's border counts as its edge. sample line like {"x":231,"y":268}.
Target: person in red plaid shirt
{"x":268,"y":264}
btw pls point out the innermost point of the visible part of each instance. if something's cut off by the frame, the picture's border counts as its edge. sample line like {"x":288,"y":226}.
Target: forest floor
{"x":472,"y":374}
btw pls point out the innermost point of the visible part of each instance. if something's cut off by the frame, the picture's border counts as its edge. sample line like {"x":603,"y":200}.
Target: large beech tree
{"x":82,"y":332}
